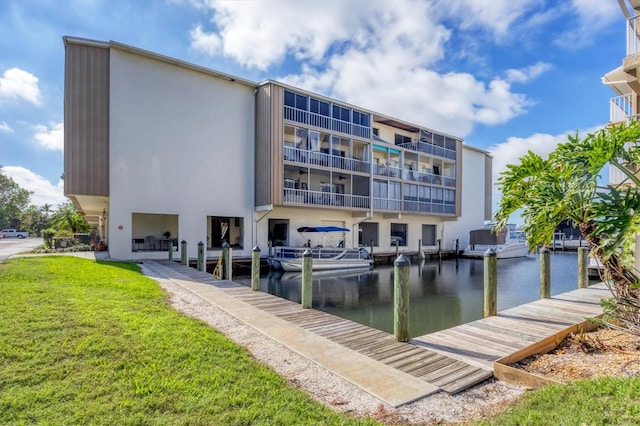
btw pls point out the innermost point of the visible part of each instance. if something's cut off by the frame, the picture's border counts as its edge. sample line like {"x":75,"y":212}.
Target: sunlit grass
{"x":96,"y":343}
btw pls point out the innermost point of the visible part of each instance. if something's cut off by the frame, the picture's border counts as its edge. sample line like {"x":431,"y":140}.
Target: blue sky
{"x":506,"y":76}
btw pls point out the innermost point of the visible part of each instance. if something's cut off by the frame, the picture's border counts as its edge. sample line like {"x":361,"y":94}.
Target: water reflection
{"x":443,"y":293}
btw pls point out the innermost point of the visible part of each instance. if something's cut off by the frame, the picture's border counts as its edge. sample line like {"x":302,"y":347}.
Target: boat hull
{"x":295,"y":265}
{"x":502,"y":252}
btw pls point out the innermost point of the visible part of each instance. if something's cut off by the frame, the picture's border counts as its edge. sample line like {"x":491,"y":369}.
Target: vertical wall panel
{"x":488,"y":187}
{"x":263,"y":166}
{"x":86,"y":120}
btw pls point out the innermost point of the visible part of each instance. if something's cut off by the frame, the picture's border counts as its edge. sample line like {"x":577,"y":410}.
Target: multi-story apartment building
{"x":156,"y":146}
{"x":625,"y":82}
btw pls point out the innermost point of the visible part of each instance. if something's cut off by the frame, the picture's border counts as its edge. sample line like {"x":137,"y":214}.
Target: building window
{"x":295,"y":100}
{"x":402,"y":139}
{"x":360,"y":118}
{"x":319,"y":107}
{"x":428,"y":235}
{"x":341,"y":113}
{"x":376,"y":131}
{"x":398,"y":234}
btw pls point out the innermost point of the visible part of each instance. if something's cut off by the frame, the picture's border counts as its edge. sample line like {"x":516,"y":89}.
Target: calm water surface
{"x":443,"y":293}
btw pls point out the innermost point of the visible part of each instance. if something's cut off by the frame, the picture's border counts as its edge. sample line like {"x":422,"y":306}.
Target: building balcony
{"x":324,"y":122}
{"x":389,"y":171}
{"x":387,"y":204}
{"x":620,"y":108}
{"x":319,"y":198}
{"x":428,"y":206}
{"x":633,"y":36}
{"x":429,"y":148}
{"x":318,"y":158}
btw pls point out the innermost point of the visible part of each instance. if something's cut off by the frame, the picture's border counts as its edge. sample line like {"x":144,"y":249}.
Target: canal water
{"x":443,"y":293}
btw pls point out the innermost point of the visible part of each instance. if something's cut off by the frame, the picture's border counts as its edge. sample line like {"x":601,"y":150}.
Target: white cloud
{"x":44,"y":192}
{"x":510,"y":151}
{"x":50,"y":137}
{"x":19,"y":84}
{"x":529,"y":73}
{"x":5,"y":128}
{"x":591,"y":16}
{"x":208,"y":43}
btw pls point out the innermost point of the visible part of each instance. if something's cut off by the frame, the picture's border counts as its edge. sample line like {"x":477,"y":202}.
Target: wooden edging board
{"x":502,"y":369}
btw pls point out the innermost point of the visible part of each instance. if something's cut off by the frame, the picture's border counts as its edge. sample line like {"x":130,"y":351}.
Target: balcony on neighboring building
{"x":324,"y":159}
{"x":633,"y":35}
{"x":620,"y":108}
{"x":320,"y":198}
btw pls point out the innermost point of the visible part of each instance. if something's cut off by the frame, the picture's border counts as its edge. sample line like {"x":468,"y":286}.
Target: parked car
{"x":11,"y":233}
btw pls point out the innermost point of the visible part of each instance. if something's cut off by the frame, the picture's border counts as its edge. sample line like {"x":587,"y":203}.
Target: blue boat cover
{"x":322,"y":229}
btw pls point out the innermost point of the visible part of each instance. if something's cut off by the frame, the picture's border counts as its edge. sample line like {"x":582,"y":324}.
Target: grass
{"x":607,"y":401}
{"x":84,"y":342}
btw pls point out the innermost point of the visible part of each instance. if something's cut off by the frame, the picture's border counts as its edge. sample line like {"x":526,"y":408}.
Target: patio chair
{"x":150,"y":242}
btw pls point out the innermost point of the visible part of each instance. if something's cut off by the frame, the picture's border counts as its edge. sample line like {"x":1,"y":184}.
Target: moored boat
{"x":508,"y":243}
{"x":289,"y":259}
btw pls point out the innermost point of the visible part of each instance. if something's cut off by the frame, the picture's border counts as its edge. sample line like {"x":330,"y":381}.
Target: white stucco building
{"x":159,"y":151}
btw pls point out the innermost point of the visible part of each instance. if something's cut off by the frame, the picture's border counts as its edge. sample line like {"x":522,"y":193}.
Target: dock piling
{"x":545,"y":273}
{"x":307,"y":277}
{"x":200,"y":263}
{"x":401,"y":271}
{"x":255,"y":268}
{"x":170,"y":249}
{"x":490,"y":283}
{"x":226,"y":254}
{"x":583,"y":271}
{"x":183,"y":252}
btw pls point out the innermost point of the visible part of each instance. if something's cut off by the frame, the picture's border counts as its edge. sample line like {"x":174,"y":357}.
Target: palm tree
{"x":564,"y":186}
{"x":67,"y":218}
{"x":46,"y":209}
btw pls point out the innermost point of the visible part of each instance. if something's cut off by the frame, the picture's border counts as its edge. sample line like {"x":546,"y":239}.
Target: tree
{"x":564,"y":186}
{"x":13,"y":201}
{"x":68,"y":218}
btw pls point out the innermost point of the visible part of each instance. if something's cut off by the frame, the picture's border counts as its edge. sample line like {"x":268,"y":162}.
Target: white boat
{"x":289,"y":259}
{"x":508,"y":243}
{"x":594,"y":267}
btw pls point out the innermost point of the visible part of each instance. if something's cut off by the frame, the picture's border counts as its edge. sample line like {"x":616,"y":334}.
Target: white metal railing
{"x":329,"y":123}
{"x":323,"y":159}
{"x":429,"y":148}
{"x":319,"y":198}
{"x":633,"y":38}
{"x":429,"y":207}
{"x":384,"y":170}
{"x":387,"y":204}
{"x":620,"y":108}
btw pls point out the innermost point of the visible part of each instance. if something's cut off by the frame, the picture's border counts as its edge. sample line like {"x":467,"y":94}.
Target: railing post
{"x":490,"y":283}
{"x":401,"y":274}
{"x":545,"y":273}
{"x":307,"y":279}
{"x":583,"y":271}
{"x":183,"y":252}
{"x":226,"y":260}
{"x":255,"y":268}
{"x":170,"y":249}
{"x":200,"y":264}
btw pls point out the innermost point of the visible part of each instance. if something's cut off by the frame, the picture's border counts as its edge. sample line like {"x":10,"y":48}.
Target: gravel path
{"x":335,"y":392}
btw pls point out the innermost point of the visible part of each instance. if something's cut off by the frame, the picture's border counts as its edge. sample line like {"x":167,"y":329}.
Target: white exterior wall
{"x":181,"y":143}
{"x":473,"y":198}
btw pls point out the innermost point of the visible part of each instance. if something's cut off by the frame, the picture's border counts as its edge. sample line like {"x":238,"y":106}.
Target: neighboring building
{"x":625,"y":82}
{"x":155,"y":145}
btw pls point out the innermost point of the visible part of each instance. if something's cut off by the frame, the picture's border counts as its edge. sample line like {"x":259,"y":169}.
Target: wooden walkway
{"x":450,"y":360}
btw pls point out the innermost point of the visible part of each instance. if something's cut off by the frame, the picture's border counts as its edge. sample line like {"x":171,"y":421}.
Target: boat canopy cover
{"x":487,"y":237}
{"x":322,"y":229}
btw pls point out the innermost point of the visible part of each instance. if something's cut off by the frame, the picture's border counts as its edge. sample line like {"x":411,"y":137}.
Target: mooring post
{"x":583,"y":265}
{"x":226,"y":259}
{"x":457,"y":247}
{"x":170,"y":248}
{"x":255,"y":268}
{"x":401,"y":273}
{"x":490,"y":283}
{"x":183,"y":252}
{"x":307,"y":271}
{"x":439,"y":249}
{"x":200,"y":263}
{"x":420,"y":253}
{"x":545,"y":273}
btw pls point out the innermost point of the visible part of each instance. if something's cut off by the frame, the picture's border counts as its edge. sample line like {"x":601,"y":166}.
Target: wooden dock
{"x":450,"y":360}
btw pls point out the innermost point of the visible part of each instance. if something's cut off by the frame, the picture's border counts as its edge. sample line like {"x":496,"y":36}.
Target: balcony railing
{"x":329,"y":123}
{"x":429,"y":207}
{"x":316,"y":158}
{"x":319,"y":198}
{"x":428,"y":148}
{"x":620,"y":108}
{"x":429,"y":178}
{"x":633,"y":38}
{"x":386,"y":204}
{"x":384,"y":170}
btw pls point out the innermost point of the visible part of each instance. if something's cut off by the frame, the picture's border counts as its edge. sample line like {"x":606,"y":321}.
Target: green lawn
{"x":96,"y":343}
